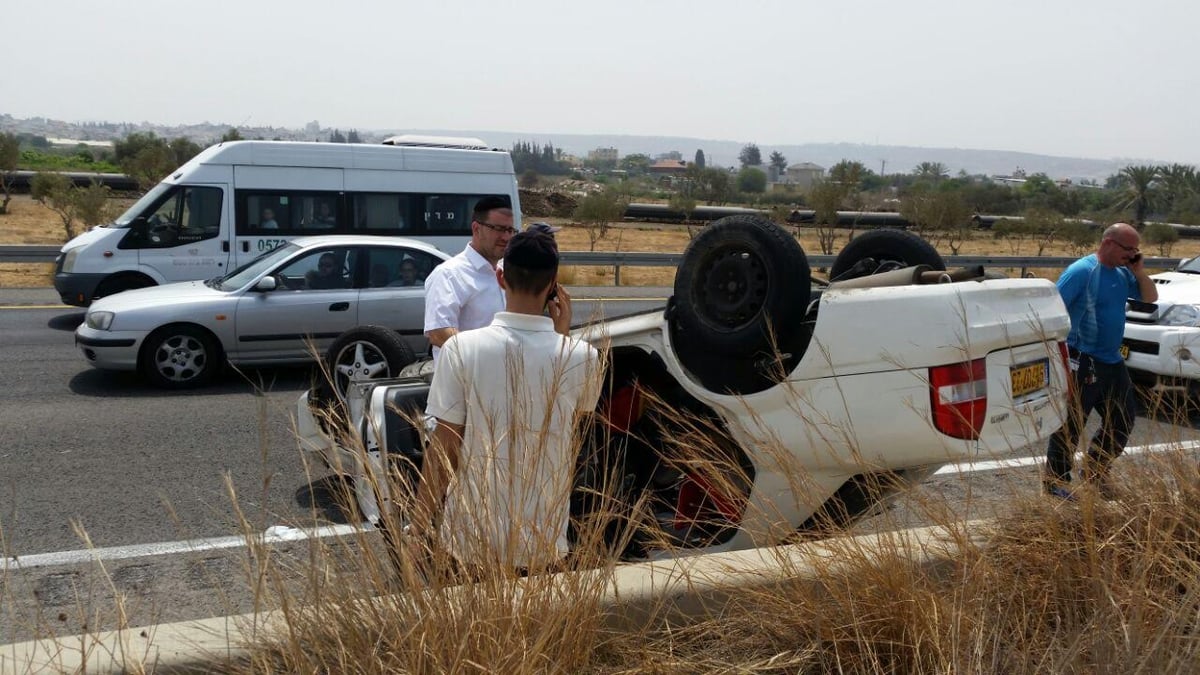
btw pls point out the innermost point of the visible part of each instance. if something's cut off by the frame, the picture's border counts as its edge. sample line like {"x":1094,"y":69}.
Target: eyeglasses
{"x":1127,"y":249}
{"x":502,"y":229}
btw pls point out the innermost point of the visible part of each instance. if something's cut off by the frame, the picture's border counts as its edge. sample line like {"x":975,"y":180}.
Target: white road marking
{"x":274,"y":535}
{"x":279,"y":533}
{"x":1021,"y":462}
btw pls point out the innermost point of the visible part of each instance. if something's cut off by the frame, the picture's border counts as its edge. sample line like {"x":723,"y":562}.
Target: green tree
{"x":938,"y":215}
{"x":597,"y":212}
{"x":1044,"y":227}
{"x":54,"y":191}
{"x":713,"y":185}
{"x":1179,"y":182}
{"x":1137,"y":191}
{"x":683,"y":204}
{"x":750,"y":156}
{"x":91,"y":204}
{"x":353,"y":137}
{"x":635,"y":164}
{"x":337,"y":137}
{"x":529,"y":179}
{"x":1161,"y":235}
{"x":778,"y":161}
{"x":148,"y":158}
{"x":825,"y":197}
{"x":752,"y":180}
{"x":933,"y":172}
{"x":699,"y":162}
{"x":10,"y":153}
{"x":182,"y":149}
{"x":232,"y":135}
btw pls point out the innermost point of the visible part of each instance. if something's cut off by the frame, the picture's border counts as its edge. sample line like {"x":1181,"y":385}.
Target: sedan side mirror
{"x":265,"y":284}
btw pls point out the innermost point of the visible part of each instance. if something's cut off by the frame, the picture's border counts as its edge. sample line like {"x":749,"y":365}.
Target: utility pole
{"x":882,"y":166}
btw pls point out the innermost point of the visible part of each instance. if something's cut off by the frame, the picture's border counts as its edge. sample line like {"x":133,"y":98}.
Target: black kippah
{"x":532,"y":250}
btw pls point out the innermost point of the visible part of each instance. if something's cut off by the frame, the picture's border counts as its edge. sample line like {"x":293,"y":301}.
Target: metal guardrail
{"x":28,"y":254}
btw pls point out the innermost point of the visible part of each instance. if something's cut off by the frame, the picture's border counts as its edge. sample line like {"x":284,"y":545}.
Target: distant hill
{"x":888,"y":158}
{"x":893,"y":158}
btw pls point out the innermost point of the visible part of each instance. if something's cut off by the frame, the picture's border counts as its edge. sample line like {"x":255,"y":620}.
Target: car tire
{"x":740,"y":296}
{"x":890,"y":249}
{"x":180,"y":356}
{"x":361,"y":353}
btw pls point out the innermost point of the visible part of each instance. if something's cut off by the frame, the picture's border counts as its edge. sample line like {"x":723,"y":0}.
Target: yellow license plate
{"x":1124,"y":351}
{"x":1030,"y":377}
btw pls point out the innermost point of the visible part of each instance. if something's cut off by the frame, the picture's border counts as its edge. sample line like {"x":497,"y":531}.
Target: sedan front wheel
{"x":178,"y":357}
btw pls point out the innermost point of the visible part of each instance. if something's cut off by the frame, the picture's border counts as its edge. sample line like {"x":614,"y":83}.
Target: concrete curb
{"x":639,"y":596}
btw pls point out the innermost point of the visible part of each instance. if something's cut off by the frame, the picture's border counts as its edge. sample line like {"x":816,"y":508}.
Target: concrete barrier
{"x":637,"y":597}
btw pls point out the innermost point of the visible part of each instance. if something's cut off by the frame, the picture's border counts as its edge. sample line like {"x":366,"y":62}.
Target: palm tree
{"x":932,"y":171}
{"x":1138,"y":183}
{"x":1179,"y":182}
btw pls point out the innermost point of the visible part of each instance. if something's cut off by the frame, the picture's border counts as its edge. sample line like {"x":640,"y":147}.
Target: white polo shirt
{"x":462,"y":293}
{"x":516,"y":386}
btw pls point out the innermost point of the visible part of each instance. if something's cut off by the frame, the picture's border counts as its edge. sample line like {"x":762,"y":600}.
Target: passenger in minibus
{"x":267,"y":222}
{"x":324,"y":217}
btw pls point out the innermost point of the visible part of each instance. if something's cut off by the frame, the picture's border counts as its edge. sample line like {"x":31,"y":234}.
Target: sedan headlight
{"x":69,"y":261}
{"x":99,"y":320}
{"x":1181,"y":315}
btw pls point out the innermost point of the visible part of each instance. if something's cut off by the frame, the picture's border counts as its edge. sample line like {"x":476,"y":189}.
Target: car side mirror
{"x":266,"y":284}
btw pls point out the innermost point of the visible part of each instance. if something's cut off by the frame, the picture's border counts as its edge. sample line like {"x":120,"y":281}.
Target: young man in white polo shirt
{"x":462,"y":293}
{"x":507,"y":399}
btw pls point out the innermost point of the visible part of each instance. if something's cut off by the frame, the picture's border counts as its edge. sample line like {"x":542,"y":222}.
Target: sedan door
{"x":315,"y":301}
{"x":395,"y":292}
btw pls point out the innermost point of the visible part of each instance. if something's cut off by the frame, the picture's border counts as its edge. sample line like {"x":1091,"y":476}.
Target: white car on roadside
{"x":762,"y":402}
{"x":1162,"y":340}
{"x":283,"y":307}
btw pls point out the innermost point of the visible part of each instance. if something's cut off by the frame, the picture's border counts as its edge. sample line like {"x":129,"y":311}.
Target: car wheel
{"x":890,"y":249}
{"x":741,"y":293}
{"x":178,"y":357}
{"x":361,"y":354}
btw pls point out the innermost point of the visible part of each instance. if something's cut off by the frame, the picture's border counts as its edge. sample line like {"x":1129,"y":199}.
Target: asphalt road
{"x":133,"y":464}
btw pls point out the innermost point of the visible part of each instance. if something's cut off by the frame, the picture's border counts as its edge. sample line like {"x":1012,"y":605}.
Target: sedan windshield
{"x":1190,"y":266}
{"x":247,"y":273}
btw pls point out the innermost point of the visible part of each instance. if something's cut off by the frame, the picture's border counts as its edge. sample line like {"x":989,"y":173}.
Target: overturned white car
{"x":761,"y":402}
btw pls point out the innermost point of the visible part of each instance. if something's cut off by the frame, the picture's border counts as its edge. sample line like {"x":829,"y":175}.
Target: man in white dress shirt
{"x":462,"y":293}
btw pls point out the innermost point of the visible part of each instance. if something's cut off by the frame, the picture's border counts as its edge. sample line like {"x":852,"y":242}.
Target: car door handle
{"x":339,"y":307}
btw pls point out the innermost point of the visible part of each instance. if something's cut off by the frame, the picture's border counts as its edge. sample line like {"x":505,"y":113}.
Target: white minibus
{"x":237,"y":200}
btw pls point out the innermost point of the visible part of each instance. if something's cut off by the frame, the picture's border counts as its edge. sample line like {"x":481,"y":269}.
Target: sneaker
{"x":1060,"y":492}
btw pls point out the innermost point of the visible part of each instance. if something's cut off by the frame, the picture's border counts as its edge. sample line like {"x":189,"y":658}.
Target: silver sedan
{"x":286,"y":306}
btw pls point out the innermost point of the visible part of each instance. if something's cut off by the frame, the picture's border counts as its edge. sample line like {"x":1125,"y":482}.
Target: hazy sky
{"x":1095,"y":78}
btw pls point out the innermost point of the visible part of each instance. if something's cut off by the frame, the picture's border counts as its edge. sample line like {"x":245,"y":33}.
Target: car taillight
{"x":958,"y":394}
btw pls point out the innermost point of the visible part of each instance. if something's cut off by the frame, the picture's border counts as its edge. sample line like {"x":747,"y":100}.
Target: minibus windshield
{"x":141,"y":205}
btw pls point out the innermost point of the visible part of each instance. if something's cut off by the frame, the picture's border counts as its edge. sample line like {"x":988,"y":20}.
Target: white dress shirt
{"x":462,"y":293}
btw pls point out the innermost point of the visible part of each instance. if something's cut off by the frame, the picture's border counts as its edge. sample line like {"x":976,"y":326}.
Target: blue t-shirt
{"x":1095,"y":297}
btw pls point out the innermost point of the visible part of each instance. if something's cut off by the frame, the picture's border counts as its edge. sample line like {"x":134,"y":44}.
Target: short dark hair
{"x":530,"y":262}
{"x":488,"y":204}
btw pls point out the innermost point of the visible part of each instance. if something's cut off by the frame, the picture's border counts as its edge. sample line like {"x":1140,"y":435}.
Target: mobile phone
{"x":552,"y":294}
{"x":1135,"y":259}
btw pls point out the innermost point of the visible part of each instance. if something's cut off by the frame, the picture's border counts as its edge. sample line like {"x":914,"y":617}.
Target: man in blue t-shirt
{"x":1094,"y":289}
